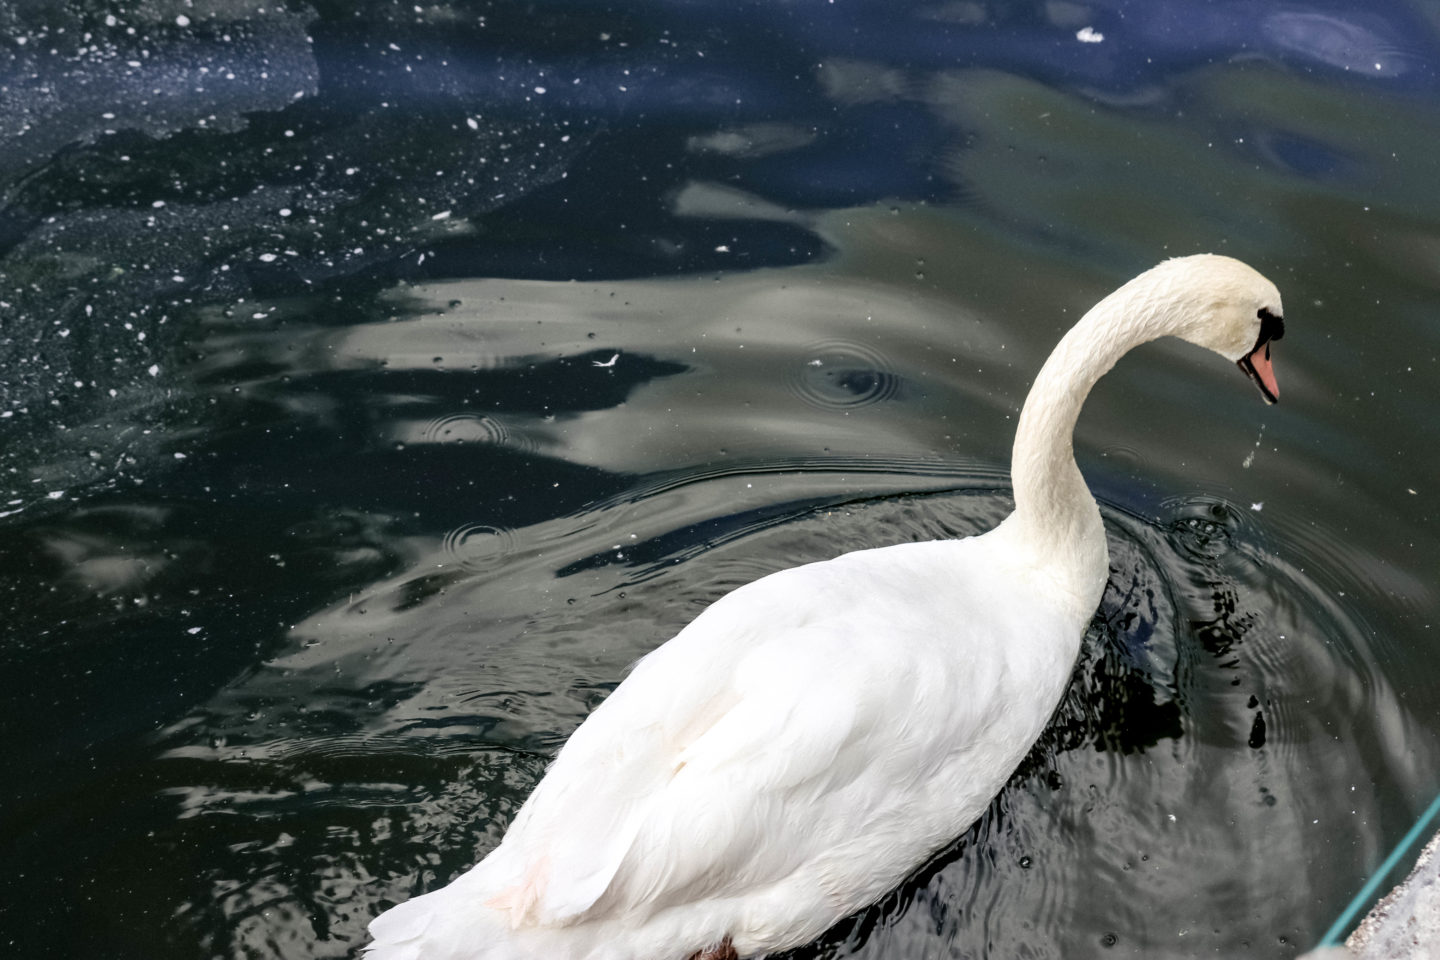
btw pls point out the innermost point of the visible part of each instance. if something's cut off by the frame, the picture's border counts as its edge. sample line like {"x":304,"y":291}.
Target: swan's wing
{"x":673,"y":772}
{"x":668,"y":795}
{"x":750,"y":799}
{"x":731,"y":754}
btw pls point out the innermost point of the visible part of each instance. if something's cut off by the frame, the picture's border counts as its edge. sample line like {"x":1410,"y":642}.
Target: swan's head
{"x":1221,"y":304}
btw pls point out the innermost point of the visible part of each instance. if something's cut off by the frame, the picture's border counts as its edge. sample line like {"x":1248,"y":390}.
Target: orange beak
{"x":1258,"y":367}
{"x":1256,"y":363}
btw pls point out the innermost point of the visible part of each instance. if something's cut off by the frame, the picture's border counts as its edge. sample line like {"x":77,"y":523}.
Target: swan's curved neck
{"x":1055,"y":513}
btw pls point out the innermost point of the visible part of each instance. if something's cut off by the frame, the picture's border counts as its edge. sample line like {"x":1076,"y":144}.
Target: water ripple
{"x":842,"y":374}
{"x":478,"y":547}
{"x":465,"y":428}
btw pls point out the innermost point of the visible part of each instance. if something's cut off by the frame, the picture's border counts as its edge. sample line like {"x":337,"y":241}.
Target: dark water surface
{"x":379,"y":381}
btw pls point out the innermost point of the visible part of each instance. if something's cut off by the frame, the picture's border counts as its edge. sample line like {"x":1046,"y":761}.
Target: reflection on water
{"x":356,"y":442}
{"x":1150,"y":777}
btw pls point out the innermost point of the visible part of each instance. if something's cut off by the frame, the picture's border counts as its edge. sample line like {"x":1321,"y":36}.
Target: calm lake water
{"x":380,"y":380}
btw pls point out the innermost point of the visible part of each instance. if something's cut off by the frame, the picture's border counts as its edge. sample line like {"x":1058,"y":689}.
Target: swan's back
{"x":783,"y":761}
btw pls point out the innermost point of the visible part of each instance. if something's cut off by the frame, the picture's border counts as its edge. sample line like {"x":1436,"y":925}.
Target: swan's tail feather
{"x":453,"y":923}
{"x":447,"y":924}
{"x":397,"y":933}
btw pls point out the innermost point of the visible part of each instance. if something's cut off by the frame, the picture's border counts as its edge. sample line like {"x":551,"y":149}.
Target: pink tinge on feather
{"x":519,"y":902}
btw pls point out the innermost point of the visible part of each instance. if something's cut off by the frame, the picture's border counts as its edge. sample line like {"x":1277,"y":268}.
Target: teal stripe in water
{"x":1367,"y":892}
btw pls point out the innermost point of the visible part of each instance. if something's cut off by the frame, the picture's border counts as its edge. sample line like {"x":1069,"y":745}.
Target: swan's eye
{"x":1272,"y":326}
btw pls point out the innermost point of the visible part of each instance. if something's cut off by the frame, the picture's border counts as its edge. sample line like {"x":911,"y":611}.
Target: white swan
{"x":814,"y":736}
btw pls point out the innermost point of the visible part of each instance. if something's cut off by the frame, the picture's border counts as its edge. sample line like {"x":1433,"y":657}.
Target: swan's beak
{"x":1256,"y":363}
{"x":1257,"y":367}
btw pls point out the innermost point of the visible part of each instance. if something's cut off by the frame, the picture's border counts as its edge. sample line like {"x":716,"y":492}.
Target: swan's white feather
{"x":753,"y":778}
